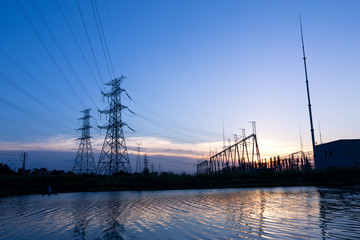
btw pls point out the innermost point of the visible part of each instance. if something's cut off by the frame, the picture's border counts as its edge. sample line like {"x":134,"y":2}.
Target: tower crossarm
{"x":114,"y":92}
{"x":84,"y":128}
{"x":116,"y":81}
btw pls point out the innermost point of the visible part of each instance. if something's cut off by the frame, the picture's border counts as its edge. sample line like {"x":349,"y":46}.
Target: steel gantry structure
{"x":244,"y":154}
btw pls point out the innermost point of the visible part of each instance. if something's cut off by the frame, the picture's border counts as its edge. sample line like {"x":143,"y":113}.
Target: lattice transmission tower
{"x":114,"y":156}
{"x":84,"y":161}
{"x":138,"y":160}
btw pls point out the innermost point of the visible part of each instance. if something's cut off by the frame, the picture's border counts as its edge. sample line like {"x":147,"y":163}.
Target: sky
{"x":195,"y":70}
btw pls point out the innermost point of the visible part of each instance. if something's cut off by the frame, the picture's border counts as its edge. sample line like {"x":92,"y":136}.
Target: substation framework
{"x":245,"y":156}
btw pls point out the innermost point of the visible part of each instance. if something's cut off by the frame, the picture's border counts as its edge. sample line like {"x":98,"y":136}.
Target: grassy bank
{"x":64,"y":182}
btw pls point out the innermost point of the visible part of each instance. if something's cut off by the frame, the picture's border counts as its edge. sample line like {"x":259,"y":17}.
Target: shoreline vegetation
{"x":41,"y":181}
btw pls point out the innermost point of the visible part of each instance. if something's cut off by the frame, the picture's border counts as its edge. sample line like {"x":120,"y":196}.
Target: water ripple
{"x":269,"y":213}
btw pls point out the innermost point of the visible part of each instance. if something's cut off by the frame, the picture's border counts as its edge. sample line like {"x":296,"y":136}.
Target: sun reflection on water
{"x":275,"y":213}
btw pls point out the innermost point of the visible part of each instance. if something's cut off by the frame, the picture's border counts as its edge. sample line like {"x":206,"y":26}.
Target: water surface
{"x":273,"y":213}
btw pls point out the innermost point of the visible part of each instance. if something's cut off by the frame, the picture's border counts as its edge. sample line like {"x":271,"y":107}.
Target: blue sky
{"x":191,"y":66}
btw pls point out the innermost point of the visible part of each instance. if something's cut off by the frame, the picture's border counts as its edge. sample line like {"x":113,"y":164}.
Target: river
{"x":256,"y":213}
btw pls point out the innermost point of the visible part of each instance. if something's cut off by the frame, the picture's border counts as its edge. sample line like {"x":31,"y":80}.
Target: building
{"x":339,"y":153}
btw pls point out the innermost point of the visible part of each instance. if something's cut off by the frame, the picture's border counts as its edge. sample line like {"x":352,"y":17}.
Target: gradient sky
{"x":192,"y":66}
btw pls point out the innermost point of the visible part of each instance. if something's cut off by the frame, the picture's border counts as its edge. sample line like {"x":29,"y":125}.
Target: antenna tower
{"x":84,"y":161}
{"x":114,"y":156}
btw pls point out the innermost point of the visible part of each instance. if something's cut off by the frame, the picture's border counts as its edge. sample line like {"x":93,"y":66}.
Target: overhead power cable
{"x":29,"y":75}
{"x":77,"y":43}
{"x":62,"y":52}
{"x":101,"y":41}
{"x":88,"y":38}
{"x":172,"y":122}
{"x":48,"y":52}
{"x":18,"y":124}
{"x":104,"y":36}
{"x":117,"y":54}
{"x":162,"y":125}
{"x":48,"y":123}
{"x":4,"y":77}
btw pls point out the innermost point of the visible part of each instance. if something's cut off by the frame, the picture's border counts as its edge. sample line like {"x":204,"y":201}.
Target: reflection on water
{"x":275,"y":213}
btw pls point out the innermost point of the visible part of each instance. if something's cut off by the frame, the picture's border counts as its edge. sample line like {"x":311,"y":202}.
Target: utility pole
{"x":138,"y":160}
{"x":320,"y":134}
{"x":301,"y":143}
{"x":224,"y":146}
{"x":308,"y":92}
{"x":84,"y":161}
{"x":114,"y":156}
{"x":24,"y":156}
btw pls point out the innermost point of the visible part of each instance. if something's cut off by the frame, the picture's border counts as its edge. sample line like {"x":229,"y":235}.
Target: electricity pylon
{"x":114,"y":156}
{"x":138,"y":160}
{"x":146,"y":162}
{"x":84,"y":161}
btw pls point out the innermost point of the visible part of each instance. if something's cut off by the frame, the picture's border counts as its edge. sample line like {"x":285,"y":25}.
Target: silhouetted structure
{"x":244,"y":154}
{"x":340,"y":153}
{"x":114,"y":156}
{"x":308,"y":93}
{"x":84,"y":161}
{"x":138,"y":160}
{"x":146,"y":162}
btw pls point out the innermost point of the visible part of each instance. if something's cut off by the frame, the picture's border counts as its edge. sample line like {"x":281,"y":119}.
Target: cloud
{"x":149,"y":145}
{"x":61,"y":143}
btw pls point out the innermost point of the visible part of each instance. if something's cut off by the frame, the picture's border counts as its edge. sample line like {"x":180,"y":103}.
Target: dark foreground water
{"x":275,"y":213}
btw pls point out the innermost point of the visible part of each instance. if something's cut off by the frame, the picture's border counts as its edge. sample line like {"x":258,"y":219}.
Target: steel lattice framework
{"x":84,"y":162}
{"x":242,"y":155}
{"x":114,"y":156}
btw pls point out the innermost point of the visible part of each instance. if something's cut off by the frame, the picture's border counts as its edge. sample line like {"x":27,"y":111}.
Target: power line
{"x":103,"y":34}
{"x":77,"y":43}
{"x":29,"y":95}
{"x":173,"y":122}
{"x":48,"y":51}
{"x":18,"y":124}
{"x":101,"y":40}
{"x":112,"y":34}
{"x":88,"y":38}
{"x":30,"y":115}
{"x":62,"y":52}
{"x":31,"y":77}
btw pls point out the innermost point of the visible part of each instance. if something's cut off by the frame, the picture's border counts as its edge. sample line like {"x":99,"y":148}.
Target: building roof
{"x":340,"y":140}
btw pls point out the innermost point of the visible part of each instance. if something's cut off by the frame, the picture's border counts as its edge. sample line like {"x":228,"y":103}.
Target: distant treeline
{"x":41,"y":181}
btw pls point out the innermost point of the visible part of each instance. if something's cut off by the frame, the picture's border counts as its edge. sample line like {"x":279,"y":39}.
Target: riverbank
{"x":61,"y":183}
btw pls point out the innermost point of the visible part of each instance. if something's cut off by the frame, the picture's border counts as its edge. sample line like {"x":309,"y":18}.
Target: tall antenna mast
{"x":320,"y":134}
{"x":308,"y":91}
{"x":223,"y":136}
{"x":301,"y":143}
